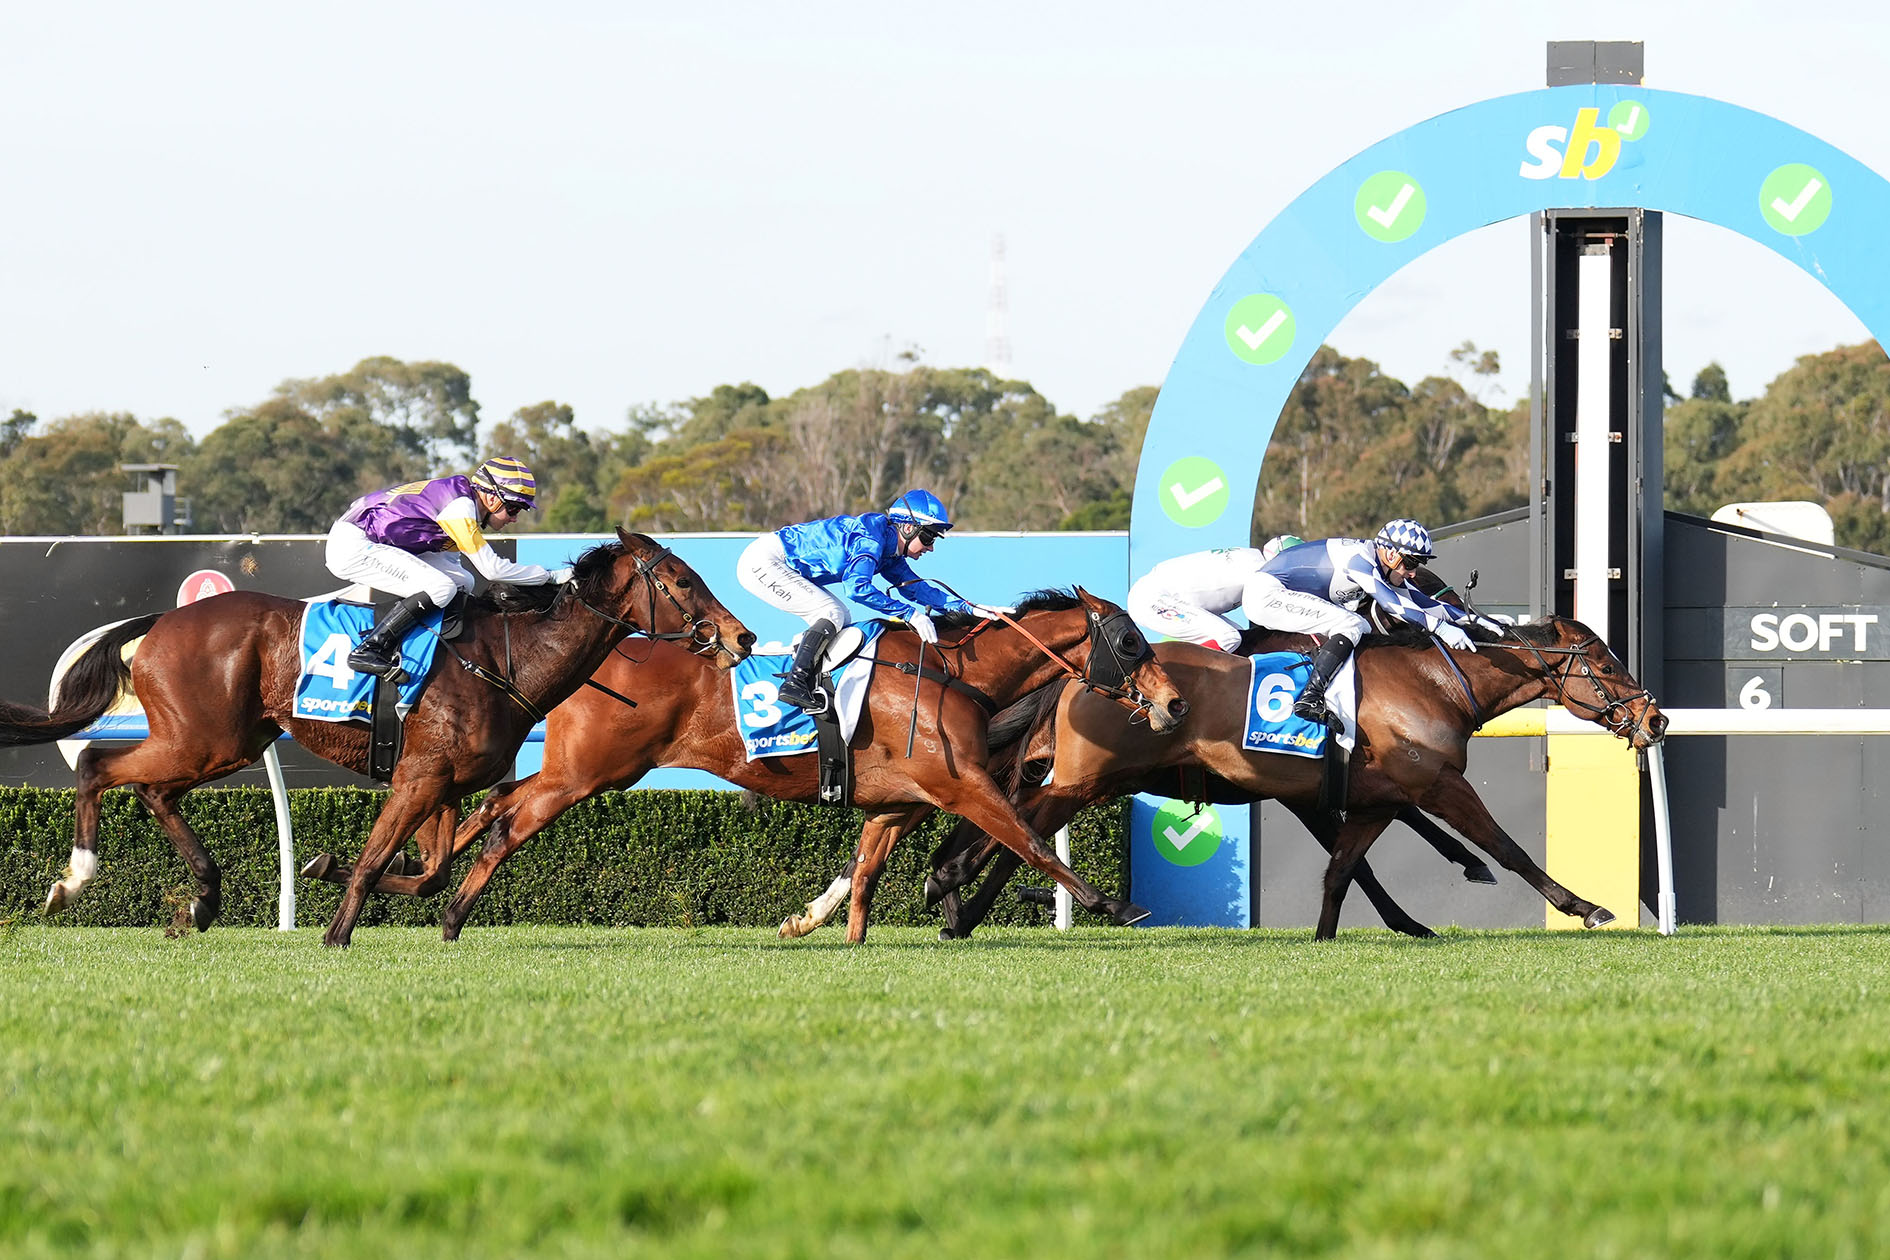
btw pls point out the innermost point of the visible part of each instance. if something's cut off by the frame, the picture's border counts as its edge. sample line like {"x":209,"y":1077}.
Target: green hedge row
{"x":642,"y":859}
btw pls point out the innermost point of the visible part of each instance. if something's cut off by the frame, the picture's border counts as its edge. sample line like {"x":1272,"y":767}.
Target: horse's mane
{"x":589,"y":573}
{"x":1049,"y":599}
{"x":1406,"y":635}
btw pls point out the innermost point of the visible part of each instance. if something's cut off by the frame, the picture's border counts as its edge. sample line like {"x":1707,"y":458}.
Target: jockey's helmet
{"x":1407,"y":538}
{"x":508,"y":478}
{"x":1274,"y":546}
{"x":919,"y":511}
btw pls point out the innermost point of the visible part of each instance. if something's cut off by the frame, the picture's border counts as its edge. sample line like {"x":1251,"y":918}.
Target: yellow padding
{"x":1594,"y":819}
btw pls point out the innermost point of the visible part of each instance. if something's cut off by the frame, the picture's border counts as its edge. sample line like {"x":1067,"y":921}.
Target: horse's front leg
{"x":1452,"y":799}
{"x":1448,"y":847}
{"x":1395,"y":916}
{"x":1355,"y":835}
{"x":411,"y":801}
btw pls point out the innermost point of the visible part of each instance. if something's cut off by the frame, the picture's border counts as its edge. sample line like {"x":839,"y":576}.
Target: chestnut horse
{"x":217,"y":680}
{"x":1418,"y":705}
{"x":594,"y":743}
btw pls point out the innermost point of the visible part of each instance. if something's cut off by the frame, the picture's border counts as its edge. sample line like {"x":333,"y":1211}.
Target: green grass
{"x":590,"y":1092}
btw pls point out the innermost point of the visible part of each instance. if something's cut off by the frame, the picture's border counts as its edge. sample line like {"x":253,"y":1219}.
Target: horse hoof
{"x":1038,"y":896}
{"x":934,"y":891}
{"x":946,"y":934}
{"x":1479,"y":874}
{"x":56,"y":899}
{"x":202,"y":915}
{"x":1597,"y":917}
{"x":321,"y":866}
{"x":793,"y":928}
{"x":1129,"y":914}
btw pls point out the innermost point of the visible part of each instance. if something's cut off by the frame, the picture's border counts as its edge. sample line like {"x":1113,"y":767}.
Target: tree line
{"x":1352,"y":446}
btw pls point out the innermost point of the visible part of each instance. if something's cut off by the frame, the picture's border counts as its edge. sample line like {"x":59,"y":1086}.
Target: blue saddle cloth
{"x":772,"y":729}
{"x":1277,"y":680}
{"x":327,"y":690}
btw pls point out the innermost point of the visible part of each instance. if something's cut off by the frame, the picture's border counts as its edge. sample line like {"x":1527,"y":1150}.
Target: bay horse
{"x":593,"y":743}
{"x":1418,"y":705}
{"x":217,"y":680}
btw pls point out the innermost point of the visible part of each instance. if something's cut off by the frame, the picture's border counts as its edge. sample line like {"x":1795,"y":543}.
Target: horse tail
{"x":87,"y":690}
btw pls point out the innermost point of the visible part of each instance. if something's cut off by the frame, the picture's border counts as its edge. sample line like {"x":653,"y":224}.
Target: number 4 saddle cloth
{"x":327,"y":690}
{"x":1277,"y":680}
{"x":772,"y":729}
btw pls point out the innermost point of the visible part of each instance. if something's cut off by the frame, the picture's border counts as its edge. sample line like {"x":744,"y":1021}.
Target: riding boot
{"x":797,"y":685}
{"x":379,"y":653}
{"x":1311,"y":704}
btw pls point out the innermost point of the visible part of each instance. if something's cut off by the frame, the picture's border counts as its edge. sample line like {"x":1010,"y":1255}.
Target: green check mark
{"x":1629,"y":118}
{"x":1389,"y":206}
{"x":1795,"y":199}
{"x":1193,"y":491}
{"x":1260,"y":328}
{"x":1184,"y":837}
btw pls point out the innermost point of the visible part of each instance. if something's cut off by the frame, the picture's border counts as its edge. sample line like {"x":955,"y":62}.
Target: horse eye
{"x":1131,"y":644}
{"x":684,"y":584}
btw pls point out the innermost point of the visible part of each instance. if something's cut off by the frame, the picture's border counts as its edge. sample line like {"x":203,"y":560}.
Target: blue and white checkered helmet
{"x":1407,"y":538}
{"x":922,"y":508}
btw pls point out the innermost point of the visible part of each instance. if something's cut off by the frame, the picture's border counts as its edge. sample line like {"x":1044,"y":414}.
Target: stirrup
{"x":810,"y":700}
{"x":1313,"y":709}
{"x":363,"y":661}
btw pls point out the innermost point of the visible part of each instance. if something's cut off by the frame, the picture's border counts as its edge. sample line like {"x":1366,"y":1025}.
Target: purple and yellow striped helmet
{"x":508,"y":478}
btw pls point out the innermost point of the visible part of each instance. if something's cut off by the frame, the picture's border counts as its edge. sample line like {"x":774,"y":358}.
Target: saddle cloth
{"x":1275,"y":681}
{"x":327,"y":690}
{"x":772,"y":729}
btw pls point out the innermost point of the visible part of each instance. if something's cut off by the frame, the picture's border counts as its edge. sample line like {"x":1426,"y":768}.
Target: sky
{"x":617,"y":204}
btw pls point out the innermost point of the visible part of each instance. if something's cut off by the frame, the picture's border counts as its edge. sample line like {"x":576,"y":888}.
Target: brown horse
{"x":594,"y":743}
{"x":1419,"y":704}
{"x":217,"y":680}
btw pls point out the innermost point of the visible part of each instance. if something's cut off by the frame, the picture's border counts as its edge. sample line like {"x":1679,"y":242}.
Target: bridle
{"x":1117,"y":648}
{"x":703,"y":643}
{"x":705,"y":636}
{"x":1614,"y":713}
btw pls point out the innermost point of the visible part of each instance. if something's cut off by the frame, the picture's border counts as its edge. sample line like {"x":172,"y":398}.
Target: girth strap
{"x":944,"y":680}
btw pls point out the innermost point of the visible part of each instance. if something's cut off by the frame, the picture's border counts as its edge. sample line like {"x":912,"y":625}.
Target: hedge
{"x":623,"y":859}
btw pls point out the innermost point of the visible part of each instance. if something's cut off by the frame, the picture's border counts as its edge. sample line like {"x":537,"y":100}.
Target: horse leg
{"x":963,"y":917}
{"x":1394,"y":915}
{"x":821,"y":908}
{"x":1049,"y":812}
{"x":207,"y":904}
{"x":508,"y":821}
{"x":435,"y":869}
{"x":411,"y":801}
{"x":1355,"y":835}
{"x":877,"y":838}
{"x":1448,"y":847}
{"x":975,"y":796}
{"x":1452,"y":799}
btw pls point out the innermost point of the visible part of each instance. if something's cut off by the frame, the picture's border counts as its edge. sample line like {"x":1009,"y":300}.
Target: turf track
{"x":1105,"y":1093}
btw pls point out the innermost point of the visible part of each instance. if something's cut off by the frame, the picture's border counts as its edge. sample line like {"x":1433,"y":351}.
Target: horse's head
{"x":648,"y":587}
{"x":1122,"y":663}
{"x":1589,"y":680}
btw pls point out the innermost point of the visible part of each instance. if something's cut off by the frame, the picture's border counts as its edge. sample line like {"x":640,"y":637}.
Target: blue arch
{"x":1494,"y":160}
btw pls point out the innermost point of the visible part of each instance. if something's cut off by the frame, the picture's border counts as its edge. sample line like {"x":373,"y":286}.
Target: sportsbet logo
{"x":1589,"y":149}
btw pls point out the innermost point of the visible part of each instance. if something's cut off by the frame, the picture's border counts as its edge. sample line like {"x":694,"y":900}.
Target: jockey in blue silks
{"x":791,"y":567}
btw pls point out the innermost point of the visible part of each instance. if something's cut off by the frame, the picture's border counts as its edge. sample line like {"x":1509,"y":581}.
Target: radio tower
{"x":997,"y":316}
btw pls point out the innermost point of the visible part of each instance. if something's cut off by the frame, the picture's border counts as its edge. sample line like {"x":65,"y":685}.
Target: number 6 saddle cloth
{"x":1276,"y":681}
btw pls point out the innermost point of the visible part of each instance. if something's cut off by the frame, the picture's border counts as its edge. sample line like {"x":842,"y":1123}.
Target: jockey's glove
{"x":1455,"y":636}
{"x":922,"y":626}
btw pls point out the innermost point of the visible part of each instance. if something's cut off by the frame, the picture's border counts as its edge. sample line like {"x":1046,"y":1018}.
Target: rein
{"x":646,"y":569}
{"x":1119,"y":688}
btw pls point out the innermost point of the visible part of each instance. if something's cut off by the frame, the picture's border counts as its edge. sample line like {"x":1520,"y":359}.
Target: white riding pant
{"x":1176,"y":616}
{"x":1267,"y":602}
{"x":353,"y":557}
{"x":764,"y":571}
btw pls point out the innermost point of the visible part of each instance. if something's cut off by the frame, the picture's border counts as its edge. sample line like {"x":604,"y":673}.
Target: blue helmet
{"x":920,"y":508}
{"x":1407,"y":538}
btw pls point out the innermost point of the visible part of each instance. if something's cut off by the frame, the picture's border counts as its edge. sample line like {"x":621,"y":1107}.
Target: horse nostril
{"x":746,"y":638}
{"x":1177,"y":709}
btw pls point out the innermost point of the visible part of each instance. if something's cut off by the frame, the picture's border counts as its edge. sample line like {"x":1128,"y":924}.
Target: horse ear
{"x":1088,"y":600}
{"x":623,"y":536}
